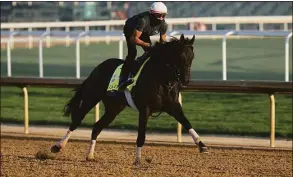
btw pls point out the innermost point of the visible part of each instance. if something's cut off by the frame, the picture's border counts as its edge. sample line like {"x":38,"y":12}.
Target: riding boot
{"x":125,"y":81}
{"x":126,"y":77}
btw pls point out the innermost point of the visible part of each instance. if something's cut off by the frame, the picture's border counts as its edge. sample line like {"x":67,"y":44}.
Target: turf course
{"x":209,"y":113}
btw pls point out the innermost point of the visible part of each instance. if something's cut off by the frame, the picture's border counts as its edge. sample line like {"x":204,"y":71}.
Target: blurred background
{"x":98,"y":27}
{"x":19,"y":11}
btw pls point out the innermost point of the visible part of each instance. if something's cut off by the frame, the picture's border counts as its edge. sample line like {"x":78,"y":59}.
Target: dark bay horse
{"x":156,"y":90}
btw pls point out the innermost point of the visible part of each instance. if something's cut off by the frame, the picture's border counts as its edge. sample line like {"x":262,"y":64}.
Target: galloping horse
{"x":157,"y":90}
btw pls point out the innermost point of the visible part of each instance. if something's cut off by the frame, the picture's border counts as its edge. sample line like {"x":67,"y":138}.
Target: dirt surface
{"x":18,"y":158}
{"x":113,"y":135}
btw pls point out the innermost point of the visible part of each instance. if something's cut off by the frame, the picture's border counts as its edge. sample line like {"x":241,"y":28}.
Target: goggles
{"x":157,"y":15}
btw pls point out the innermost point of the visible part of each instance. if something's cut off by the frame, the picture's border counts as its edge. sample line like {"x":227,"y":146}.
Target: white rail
{"x":9,"y":44}
{"x":260,"y":20}
{"x":77,"y":53}
{"x":119,"y":36}
{"x":224,"y":51}
{"x":41,"y":67}
{"x":287,"y":57}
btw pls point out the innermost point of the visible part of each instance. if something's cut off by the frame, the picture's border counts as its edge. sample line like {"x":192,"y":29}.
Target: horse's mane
{"x":160,"y":49}
{"x":172,"y":41}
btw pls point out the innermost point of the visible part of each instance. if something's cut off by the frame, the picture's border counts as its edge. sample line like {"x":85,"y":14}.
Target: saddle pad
{"x":114,"y":82}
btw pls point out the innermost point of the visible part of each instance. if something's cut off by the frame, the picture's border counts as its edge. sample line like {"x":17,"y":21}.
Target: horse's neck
{"x":161,"y":70}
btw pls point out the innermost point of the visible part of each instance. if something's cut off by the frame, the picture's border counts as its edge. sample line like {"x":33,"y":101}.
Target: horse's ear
{"x":192,"y":40}
{"x":182,"y":37}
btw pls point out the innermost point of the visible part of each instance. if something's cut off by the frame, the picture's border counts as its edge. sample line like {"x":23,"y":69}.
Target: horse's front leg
{"x":176,"y":111}
{"x":143,"y":118}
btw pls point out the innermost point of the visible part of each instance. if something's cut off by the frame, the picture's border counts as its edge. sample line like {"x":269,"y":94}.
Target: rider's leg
{"x":141,"y":59}
{"x":127,"y":67}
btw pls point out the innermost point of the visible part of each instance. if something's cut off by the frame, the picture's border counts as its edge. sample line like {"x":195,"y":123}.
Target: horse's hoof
{"x":202,"y":148}
{"x":90,"y":157}
{"x":55,"y":149}
{"x":136,"y":162}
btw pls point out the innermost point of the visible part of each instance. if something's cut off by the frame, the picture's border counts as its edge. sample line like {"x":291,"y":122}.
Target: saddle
{"x":114,"y":81}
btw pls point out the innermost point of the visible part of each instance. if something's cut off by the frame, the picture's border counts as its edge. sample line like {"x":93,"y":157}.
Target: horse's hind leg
{"x":177,"y":112}
{"x":112,"y":108}
{"x":77,"y":116}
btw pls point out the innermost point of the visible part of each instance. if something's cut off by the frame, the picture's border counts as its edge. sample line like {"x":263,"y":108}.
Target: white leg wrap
{"x":65,"y":138}
{"x":138,"y":152}
{"x":92,"y":146}
{"x":194,"y":135}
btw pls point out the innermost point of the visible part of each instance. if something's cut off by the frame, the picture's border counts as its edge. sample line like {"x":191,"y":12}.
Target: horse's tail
{"x":74,"y":102}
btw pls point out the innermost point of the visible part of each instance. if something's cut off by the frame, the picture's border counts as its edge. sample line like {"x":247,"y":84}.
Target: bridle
{"x":171,"y":83}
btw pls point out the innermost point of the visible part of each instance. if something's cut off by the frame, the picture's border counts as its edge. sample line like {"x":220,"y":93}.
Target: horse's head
{"x":183,"y":58}
{"x":179,"y":54}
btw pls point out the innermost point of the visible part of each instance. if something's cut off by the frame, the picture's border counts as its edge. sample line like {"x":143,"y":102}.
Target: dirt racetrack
{"x":115,"y":159}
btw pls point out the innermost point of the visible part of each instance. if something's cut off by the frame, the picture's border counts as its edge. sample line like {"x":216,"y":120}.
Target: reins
{"x":170,"y":85}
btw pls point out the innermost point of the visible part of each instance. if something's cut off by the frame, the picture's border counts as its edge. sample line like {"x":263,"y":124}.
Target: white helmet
{"x":158,"y":7}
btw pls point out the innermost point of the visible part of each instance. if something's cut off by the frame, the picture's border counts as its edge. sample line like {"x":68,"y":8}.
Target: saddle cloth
{"x":114,"y":81}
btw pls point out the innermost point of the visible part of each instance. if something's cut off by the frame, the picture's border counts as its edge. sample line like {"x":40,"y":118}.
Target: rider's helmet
{"x":159,"y":10}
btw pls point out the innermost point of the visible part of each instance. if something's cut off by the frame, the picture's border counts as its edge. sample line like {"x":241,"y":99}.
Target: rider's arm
{"x":135,"y":39}
{"x":137,"y":33}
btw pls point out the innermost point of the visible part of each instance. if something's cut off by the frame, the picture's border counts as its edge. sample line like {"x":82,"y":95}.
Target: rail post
{"x":77,"y":53}
{"x":224,"y":59}
{"x":41,"y":72}
{"x":121,"y":46}
{"x":97,"y":112}
{"x":30,"y":39}
{"x":214,"y":26}
{"x":9,"y":46}
{"x":287,"y":57}
{"x":12,"y":40}
{"x":87,"y":39}
{"x":48,"y":39}
{"x":272,"y":117}
{"x":26,"y":119}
